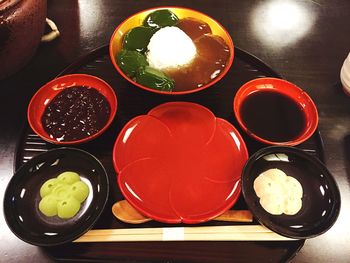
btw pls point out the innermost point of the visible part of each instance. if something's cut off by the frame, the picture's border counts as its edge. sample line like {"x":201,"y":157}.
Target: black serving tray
{"x":133,"y":101}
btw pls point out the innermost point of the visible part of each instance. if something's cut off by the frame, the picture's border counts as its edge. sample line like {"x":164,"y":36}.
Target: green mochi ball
{"x":47,"y":187}
{"x":68,"y":177}
{"x":130,"y":61}
{"x":68,"y":208}
{"x":79,"y":190}
{"x":48,"y":205}
{"x":155,"y":79}
{"x":61,"y":192}
{"x":137,"y":38}
{"x":160,"y":18}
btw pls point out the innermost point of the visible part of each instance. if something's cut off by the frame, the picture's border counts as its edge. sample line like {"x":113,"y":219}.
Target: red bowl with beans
{"x":72,"y":109}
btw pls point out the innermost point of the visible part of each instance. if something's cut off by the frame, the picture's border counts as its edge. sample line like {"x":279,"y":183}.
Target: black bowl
{"x":22,"y":197}
{"x":320,"y":200}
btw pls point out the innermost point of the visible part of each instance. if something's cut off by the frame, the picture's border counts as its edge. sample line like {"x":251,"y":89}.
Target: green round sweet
{"x":62,"y":195}
{"x":130,"y":61}
{"x":137,"y":38}
{"x":68,"y":208}
{"x":48,"y":206}
{"x":80,"y":191}
{"x":155,"y":79}
{"x":61,"y":192}
{"x":161,"y":18}
{"x":47,"y":187}
{"x":68,"y":177}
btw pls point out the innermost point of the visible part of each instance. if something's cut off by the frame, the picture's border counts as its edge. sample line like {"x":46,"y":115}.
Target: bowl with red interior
{"x":72,"y":109}
{"x":275,"y":111}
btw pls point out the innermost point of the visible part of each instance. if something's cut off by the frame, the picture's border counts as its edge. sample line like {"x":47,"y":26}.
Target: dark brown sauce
{"x":194,"y":27}
{"x":273,"y":116}
{"x":76,"y":113}
{"x":211,"y":59}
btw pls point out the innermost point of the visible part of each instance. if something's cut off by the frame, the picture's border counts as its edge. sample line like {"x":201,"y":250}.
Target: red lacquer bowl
{"x":179,"y":163}
{"x":283,"y":87}
{"x":137,"y":19}
{"x":46,"y":93}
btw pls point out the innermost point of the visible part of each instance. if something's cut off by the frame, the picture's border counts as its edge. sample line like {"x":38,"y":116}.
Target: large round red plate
{"x":179,"y":163}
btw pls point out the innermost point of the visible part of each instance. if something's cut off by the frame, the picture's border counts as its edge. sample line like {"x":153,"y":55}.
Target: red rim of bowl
{"x":228,"y":66}
{"x":46,"y":91}
{"x":283,"y":87}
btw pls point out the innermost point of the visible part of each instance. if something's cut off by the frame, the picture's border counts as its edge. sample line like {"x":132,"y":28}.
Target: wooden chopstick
{"x":205,"y":233}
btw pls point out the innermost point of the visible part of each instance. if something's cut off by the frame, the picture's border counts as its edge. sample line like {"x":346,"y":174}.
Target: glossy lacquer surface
{"x":172,"y":159}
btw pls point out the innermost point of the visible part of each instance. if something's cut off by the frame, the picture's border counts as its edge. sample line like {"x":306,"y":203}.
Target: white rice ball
{"x":170,"y":47}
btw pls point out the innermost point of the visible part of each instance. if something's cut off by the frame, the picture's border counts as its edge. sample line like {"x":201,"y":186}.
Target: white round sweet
{"x":170,"y":47}
{"x":278,"y":192}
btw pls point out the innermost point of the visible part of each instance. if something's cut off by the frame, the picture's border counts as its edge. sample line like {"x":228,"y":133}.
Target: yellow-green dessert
{"x":63,"y":195}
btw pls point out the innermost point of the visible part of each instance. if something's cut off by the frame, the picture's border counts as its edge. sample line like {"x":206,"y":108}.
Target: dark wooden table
{"x":304,"y":40}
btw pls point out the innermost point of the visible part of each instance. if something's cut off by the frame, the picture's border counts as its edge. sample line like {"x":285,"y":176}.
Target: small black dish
{"x":320,"y":200}
{"x":22,"y":197}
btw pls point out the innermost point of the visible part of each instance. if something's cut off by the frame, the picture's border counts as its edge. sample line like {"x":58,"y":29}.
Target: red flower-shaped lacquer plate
{"x":179,"y":163}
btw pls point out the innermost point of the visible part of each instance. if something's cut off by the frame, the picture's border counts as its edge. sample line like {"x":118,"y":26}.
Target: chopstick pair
{"x":204,"y":233}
